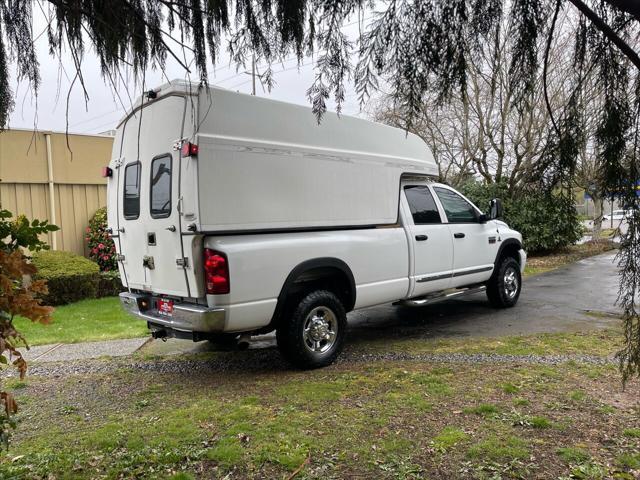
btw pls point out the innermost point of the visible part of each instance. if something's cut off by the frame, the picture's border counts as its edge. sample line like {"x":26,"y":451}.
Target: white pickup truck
{"x":236,"y":215}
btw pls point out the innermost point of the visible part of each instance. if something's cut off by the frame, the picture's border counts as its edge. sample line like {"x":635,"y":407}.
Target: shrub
{"x":102,"y":250}
{"x":70,"y":277}
{"x":109,"y":284}
{"x":546,"y":221}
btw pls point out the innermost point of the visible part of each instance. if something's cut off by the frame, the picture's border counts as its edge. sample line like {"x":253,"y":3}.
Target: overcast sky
{"x":103,"y":109}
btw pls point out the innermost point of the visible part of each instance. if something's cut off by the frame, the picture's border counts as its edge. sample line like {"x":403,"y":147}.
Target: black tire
{"x":322,"y":313}
{"x":501,"y":291}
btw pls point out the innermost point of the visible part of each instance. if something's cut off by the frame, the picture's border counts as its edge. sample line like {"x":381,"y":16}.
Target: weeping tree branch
{"x":606,"y":29}
{"x":630,"y":6}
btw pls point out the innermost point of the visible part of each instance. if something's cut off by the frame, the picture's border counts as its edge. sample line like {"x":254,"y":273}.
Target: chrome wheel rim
{"x":320,"y":330}
{"x":511,"y":282}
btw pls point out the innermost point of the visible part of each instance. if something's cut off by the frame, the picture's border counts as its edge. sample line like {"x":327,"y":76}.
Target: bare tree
{"x":481,"y":131}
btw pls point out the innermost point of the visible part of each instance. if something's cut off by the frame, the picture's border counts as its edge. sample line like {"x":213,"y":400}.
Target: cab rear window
{"x":131,"y":202}
{"x":161,"y":186}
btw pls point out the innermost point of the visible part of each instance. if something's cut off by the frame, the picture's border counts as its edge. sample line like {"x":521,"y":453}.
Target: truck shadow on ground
{"x":453,"y":318}
{"x":446,"y":319}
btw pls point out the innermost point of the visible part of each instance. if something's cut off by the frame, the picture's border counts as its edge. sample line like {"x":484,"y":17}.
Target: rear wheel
{"x":503,"y":289}
{"x":313,"y":333}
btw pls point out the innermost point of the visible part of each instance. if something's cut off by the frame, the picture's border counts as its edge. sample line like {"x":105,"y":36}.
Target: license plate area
{"x":165,"y":307}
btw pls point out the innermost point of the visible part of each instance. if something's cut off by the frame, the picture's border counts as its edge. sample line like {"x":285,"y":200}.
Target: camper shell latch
{"x":182,"y":262}
{"x":147,"y":261}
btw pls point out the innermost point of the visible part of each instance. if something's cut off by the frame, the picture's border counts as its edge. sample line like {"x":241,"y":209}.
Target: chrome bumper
{"x":185,"y":318}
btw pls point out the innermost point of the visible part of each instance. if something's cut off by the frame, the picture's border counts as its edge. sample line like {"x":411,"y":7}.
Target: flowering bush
{"x":101,"y":247}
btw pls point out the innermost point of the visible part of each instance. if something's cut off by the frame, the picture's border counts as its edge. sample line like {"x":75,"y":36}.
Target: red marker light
{"x":107,"y":172}
{"x":189,"y":149}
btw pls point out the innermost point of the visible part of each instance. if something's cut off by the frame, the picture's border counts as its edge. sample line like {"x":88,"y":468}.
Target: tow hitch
{"x":159,"y":334}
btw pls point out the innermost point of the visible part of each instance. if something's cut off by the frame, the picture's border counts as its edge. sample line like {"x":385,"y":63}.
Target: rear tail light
{"x":216,"y":272}
{"x":107,"y":172}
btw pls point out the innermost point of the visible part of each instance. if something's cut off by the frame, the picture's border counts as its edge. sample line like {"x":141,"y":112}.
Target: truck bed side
{"x":260,"y":264}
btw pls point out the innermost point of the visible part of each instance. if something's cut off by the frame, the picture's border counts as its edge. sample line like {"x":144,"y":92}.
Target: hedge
{"x":71,"y":277}
{"x":109,"y":284}
{"x":547,"y":221}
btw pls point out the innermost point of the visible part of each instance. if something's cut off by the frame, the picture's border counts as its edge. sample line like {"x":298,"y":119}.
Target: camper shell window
{"x":161,"y":186}
{"x":131,"y":203}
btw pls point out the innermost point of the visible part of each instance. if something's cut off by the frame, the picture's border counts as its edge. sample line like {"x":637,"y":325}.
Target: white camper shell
{"x":224,"y":206}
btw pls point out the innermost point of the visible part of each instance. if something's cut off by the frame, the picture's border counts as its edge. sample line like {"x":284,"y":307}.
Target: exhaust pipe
{"x":243,"y":341}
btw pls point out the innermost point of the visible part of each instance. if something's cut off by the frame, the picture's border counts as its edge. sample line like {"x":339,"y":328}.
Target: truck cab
{"x":229,"y":224}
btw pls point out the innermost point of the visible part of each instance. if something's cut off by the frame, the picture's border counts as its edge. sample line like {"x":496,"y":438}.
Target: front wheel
{"x":313,"y":335}
{"x":503,"y":288}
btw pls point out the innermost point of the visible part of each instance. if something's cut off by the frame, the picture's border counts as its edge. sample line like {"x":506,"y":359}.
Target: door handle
{"x":458,"y":235}
{"x":421,"y":238}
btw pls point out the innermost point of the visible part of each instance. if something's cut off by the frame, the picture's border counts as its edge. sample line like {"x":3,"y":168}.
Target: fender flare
{"x":508,"y":243}
{"x":311,"y":264}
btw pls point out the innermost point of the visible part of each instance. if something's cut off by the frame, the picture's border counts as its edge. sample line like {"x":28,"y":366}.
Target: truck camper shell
{"x":264,"y":165}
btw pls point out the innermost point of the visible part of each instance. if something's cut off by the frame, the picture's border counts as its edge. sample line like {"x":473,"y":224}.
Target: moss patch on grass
{"x":632,"y":432}
{"x":449,"y":437}
{"x":499,"y":449}
{"x":573,"y":455}
{"x":484,"y":410}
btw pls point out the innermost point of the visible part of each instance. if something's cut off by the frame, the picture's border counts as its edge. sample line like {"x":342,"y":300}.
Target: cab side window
{"x":458,"y":210}
{"x":161,"y":187}
{"x":131,"y":203}
{"x":423,"y":208}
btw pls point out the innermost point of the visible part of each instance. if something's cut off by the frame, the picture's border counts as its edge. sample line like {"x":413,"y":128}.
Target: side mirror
{"x":495,"y":209}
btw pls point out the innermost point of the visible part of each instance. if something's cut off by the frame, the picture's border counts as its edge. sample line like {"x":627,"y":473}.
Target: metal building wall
{"x":36,"y":168}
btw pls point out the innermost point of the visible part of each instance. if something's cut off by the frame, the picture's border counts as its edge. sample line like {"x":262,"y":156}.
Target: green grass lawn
{"x":84,"y":321}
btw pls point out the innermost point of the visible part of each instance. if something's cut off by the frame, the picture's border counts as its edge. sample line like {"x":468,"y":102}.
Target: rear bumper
{"x":185,"y":318}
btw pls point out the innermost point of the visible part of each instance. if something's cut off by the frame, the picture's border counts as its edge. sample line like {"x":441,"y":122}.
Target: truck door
{"x":149,"y":184}
{"x":475,"y":244}
{"x":429,"y":239}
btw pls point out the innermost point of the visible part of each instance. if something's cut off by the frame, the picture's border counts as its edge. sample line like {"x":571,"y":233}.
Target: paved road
{"x":574,"y":298}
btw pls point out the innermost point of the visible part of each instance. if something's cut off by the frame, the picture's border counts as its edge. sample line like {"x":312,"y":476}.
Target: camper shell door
{"x":148,"y":176}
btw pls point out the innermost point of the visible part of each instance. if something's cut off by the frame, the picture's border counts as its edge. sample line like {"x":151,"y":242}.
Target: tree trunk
{"x":598,"y":202}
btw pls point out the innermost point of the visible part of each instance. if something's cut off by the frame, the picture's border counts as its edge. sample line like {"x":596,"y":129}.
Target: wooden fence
{"x":50,"y":176}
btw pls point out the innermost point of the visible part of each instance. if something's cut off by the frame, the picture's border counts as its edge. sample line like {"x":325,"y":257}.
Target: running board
{"x":429,"y":299}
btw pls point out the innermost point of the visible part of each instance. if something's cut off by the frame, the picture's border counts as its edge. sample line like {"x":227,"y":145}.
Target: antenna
{"x":256,"y":73}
